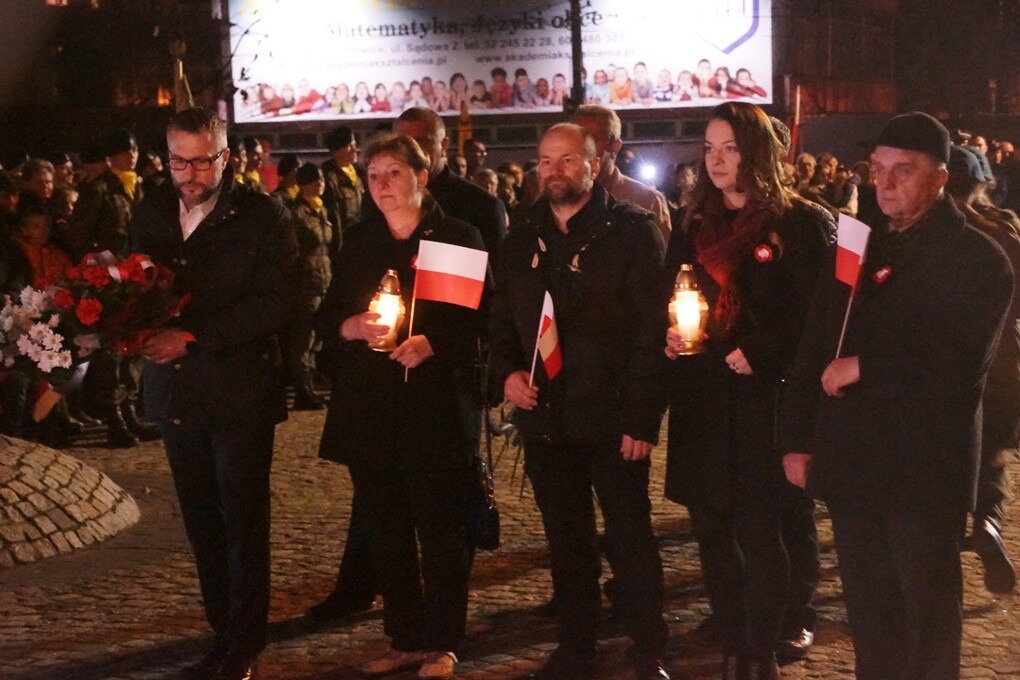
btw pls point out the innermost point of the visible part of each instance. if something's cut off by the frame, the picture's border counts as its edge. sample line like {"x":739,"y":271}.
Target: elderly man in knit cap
{"x":887,"y":432}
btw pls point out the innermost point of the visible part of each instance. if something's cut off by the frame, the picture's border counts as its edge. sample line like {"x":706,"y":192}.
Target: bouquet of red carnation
{"x":116,"y":304}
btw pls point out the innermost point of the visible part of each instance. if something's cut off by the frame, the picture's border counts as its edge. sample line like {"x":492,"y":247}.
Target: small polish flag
{"x":549,"y":340}
{"x":449,"y":273}
{"x":851,"y":244}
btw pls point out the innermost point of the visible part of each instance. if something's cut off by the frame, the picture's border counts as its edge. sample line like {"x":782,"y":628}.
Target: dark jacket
{"x":342,"y":199}
{"x":315,"y":237}
{"x":465,"y":201}
{"x":924,"y":326}
{"x":101,"y":219}
{"x":1001,"y":429}
{"x":720,"y":421}
{"x":375,"y":418}
{"x":602,"y":278}
{"x":239,"y":266}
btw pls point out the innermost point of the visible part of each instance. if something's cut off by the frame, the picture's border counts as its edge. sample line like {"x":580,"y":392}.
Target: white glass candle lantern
{"x":389,"y":305}
{"x":688,"y":311}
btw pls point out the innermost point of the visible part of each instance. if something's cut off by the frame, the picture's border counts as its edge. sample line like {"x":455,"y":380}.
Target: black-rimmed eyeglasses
{"x":200,"y":163}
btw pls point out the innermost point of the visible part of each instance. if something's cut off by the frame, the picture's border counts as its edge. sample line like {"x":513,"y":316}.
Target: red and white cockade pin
{"x":882,"y":274}
{"x":763,"y":252}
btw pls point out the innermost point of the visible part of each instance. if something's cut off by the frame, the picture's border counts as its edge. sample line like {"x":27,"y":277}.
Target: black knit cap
{"x":916,"y":131}
{"x":308,"y":173}
{"x":119,"y":141}
{"x":338,"y":138}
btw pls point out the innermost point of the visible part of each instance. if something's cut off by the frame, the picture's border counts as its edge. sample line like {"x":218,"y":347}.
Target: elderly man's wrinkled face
{"x":907,"y":182}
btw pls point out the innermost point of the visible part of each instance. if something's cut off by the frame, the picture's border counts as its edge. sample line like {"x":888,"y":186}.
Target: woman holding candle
{"x":394,"y":417}
{"x":756,"y":251}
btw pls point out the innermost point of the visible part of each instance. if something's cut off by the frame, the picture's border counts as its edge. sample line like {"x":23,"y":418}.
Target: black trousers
{"x":800,"y":537}
{"x":424,"y":597}
{"x":903,"y":585}
{"x":355,"y":580}
{"x":222,"y":480}
{"x":745,"y":568}
{"x":563,"y":477}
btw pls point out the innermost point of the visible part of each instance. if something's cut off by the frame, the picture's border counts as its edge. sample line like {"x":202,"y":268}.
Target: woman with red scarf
{"x":757,"y":250}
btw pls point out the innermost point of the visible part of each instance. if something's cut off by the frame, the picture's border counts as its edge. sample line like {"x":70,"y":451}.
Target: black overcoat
{"x":240,"y":268}
{"x":602,"y":278}
{"x":375,"y":418}
{"x":719,"y":421}
{"x":924,"y":327}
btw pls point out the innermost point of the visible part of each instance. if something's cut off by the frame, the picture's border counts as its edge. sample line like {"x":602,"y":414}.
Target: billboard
{"x":330,"y":59}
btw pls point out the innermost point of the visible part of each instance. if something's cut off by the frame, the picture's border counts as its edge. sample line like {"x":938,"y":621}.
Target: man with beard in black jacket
{"x":591,"y":424}
{"x":213,"y":380}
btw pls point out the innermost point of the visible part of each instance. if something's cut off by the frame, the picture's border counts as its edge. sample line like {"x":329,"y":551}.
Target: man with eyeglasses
{"x":590,"y":423}
{"x":213,"y":379}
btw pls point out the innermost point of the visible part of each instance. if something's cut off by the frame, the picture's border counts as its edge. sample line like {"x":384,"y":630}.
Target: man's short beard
{"x":571,"y":195}
{"x":202,"y":198}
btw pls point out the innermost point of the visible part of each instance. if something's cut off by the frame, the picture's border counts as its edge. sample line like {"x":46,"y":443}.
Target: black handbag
{"x":483,"y":513}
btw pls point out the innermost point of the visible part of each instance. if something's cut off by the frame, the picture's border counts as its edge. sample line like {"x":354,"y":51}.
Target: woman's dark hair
{"x":760,"y":174}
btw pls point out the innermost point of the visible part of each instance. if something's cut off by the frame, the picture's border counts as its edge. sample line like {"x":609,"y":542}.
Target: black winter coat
{"x":602,"y":277}
{"x":376,"y":419}
{"x":924,"y":327}
{"x":721,"y":422}
{"x":240,"y":268}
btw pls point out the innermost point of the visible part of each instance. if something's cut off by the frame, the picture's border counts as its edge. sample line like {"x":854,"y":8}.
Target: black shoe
{"x":306,"y":400}
{"x":208,"y":666}
{"x":336,"y":607}
{"x":145,"y":432}
{"x":118,"y":436}
{"x":564,"y":665}
{"x":647,"y":668}
{"x":762,"y":669}
{"x":1000,"y":576}
{"x":235,"y":668}
{"x":796,"y":646}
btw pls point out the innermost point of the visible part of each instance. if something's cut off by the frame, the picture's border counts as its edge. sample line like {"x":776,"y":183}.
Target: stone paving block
{"x":77,"y":512}
{"x":23,"y":552}
{"x":40,"y":501}
{"x":60,"y":543}
{"x":20,"y":488}
{"x":30,"y":478}
{"x":9,"y":495}
{"x":12,"y":533}
{"x":44,"y":547}
{"x":45,"y":524}
{"x":60,"y":518}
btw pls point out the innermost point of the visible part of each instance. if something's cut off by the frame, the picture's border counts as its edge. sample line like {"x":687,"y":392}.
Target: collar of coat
{"x":594,"y":218}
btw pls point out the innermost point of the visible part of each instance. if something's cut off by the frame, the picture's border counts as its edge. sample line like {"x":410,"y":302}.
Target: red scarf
{"x":722,"y":245}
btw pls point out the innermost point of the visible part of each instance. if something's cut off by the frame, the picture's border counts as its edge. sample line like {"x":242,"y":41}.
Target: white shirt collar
{"x":190,"y":219}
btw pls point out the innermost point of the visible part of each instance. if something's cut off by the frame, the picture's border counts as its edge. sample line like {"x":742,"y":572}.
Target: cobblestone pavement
{"x":128,"y":608}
